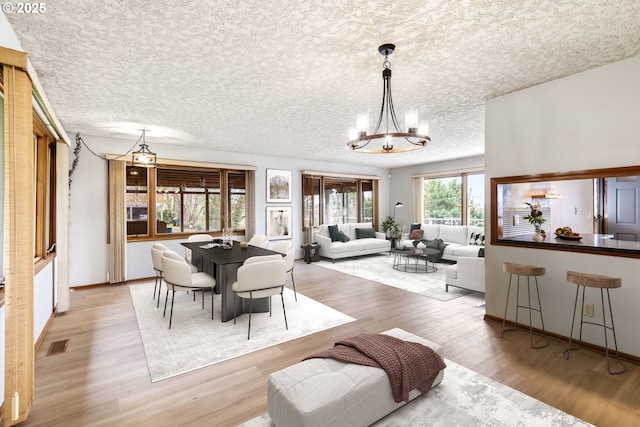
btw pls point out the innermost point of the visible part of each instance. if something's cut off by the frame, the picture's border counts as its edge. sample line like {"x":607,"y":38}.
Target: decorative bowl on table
{"x":244,"y":245}
{"x":566,"y":233}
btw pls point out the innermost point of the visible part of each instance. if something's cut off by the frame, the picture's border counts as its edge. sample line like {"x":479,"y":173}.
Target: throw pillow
{"x":481,"y":252}
{"x":474,"y":238}
{"x":340,"y":236}
{"x":332,"y":232}
{"x":365,"y":233}
{"x":414,"y":227}
{"x":416,"y":234}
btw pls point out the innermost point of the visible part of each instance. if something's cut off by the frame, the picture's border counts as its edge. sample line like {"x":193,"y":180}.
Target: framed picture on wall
{"x":278,"y":186}
{"x":278,"y":222}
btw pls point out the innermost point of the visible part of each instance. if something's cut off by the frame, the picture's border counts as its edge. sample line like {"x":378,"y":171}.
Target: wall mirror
{"x":600,"y":206}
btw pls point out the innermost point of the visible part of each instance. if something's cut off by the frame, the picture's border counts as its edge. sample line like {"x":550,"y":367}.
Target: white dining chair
{"x":156,"y":258}
{"x":288,"y":250}
{"x":195,"y":238}
{"x":178,"y":276}
{"x":260,"y":280}
{"x":259,"y":240}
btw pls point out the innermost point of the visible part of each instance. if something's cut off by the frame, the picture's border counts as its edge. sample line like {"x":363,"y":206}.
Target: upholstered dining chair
{"x":259,"y":240}
{"x":195,"y":238}
{"x":156,"y":257}
{"x":288,"y":250}
{"x":178,"y":276}
{"x":260,"y":279}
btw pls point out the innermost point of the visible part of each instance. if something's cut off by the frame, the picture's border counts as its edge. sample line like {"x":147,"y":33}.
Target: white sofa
{"x":457,"y":238}
{"x":467,"y":273}
{"x":355,"y":246}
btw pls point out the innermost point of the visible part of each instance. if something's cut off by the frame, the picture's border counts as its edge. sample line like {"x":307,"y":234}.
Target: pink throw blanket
{"x":409,"y":365}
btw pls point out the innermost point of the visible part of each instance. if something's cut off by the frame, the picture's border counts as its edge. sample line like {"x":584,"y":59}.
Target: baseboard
{"x":588,"y":346}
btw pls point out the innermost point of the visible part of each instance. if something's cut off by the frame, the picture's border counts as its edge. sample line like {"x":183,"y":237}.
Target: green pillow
{"x":364,"y":233}
{"x":481,"y":252}
{"x":340,"y":236}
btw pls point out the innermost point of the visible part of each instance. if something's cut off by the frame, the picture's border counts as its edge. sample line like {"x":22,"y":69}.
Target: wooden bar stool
{"x":603,"y":283}
{"x":528,"y":271}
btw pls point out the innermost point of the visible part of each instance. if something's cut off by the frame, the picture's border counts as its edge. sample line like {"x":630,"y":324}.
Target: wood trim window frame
{"x":225,"y":192}
{"x":313,"y":215}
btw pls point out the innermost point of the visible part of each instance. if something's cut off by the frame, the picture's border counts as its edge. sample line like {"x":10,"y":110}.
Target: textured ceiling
{"x":289,"y":78}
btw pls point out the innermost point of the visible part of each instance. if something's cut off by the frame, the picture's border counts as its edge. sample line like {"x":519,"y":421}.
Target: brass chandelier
{"x":416,"y":137}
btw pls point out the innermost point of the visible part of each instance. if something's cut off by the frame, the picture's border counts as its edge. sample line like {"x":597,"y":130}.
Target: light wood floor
{"x":102,"y":378}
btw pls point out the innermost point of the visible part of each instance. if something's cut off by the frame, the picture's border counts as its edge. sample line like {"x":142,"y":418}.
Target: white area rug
{"x":195,"y":341}
{"x":379,"y":268}
{"x":466,"y":398}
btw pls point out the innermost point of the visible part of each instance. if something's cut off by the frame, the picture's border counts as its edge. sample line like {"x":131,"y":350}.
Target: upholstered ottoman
{"x":328,"y":392}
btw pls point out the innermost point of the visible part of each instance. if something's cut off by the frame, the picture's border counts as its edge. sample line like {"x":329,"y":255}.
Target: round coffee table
{"x":410,"y":259}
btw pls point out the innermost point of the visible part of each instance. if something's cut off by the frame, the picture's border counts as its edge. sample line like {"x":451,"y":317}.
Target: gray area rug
{"x":195,"y":341}
{"x":379,"y":268}
{"x":466,"y":398}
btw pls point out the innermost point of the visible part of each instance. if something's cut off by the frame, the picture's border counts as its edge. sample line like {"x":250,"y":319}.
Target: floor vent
{"x":58,"y":347}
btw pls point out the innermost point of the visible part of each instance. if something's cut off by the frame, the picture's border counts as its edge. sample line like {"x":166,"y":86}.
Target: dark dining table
{"x":223,"y":264}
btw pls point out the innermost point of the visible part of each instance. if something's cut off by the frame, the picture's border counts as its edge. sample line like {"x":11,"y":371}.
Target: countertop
{"x":602,"y":242}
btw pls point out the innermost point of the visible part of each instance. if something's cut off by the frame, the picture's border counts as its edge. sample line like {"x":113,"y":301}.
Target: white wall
{"x":88,"y":252}
{"x":43,"y":298}
{"x":585,"y":121}
{"x":8,"y":37}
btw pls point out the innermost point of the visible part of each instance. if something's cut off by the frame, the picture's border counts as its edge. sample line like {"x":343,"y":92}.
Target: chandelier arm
{"x":391,"y":109}
{"x":384,"y":98}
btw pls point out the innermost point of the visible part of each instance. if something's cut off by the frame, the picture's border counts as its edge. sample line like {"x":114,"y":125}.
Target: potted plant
{"x":392,"y":229}
{"x":388,"y":225}
{"x":535,"y":218}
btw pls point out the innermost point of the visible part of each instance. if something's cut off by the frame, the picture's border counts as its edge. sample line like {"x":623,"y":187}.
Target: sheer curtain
{"x":117,"y":222}
{"x":418,"y":198}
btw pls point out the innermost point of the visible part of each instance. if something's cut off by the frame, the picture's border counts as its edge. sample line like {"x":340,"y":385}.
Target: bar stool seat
{"x":527,"y":271}
{"x":584,"y":280}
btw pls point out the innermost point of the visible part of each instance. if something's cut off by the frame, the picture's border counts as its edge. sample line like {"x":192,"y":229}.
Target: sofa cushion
{"x":362,"y":233}
{"x":454,"y":234}
{"x":332,"y":232}
{"x":416,"y":234}
{"x":341,"y":236}
{"x":466,"y":250}
{"x":431,"y":231}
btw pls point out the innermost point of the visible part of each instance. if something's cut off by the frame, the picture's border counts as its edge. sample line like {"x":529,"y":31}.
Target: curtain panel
{"x":117,"y":222}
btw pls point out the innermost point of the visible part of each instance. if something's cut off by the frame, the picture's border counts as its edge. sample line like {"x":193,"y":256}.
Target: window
{"x":45,"y":193}
{"x":453,"y":200}
{"x":475,"y":199}
{"x":337,"y":200}
{"x":184,"y":200}
{"x":443,"y":201}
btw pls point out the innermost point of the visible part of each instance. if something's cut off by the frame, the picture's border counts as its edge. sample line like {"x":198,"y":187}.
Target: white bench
{"x":327,"y":392}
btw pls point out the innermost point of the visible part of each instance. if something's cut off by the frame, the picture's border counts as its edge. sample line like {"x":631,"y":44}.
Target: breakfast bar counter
{"x":596,"y":243}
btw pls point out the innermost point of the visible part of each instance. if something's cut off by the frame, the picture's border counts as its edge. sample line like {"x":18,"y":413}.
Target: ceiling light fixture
{"x":144,"y":157}
{"x":416,"y":137}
